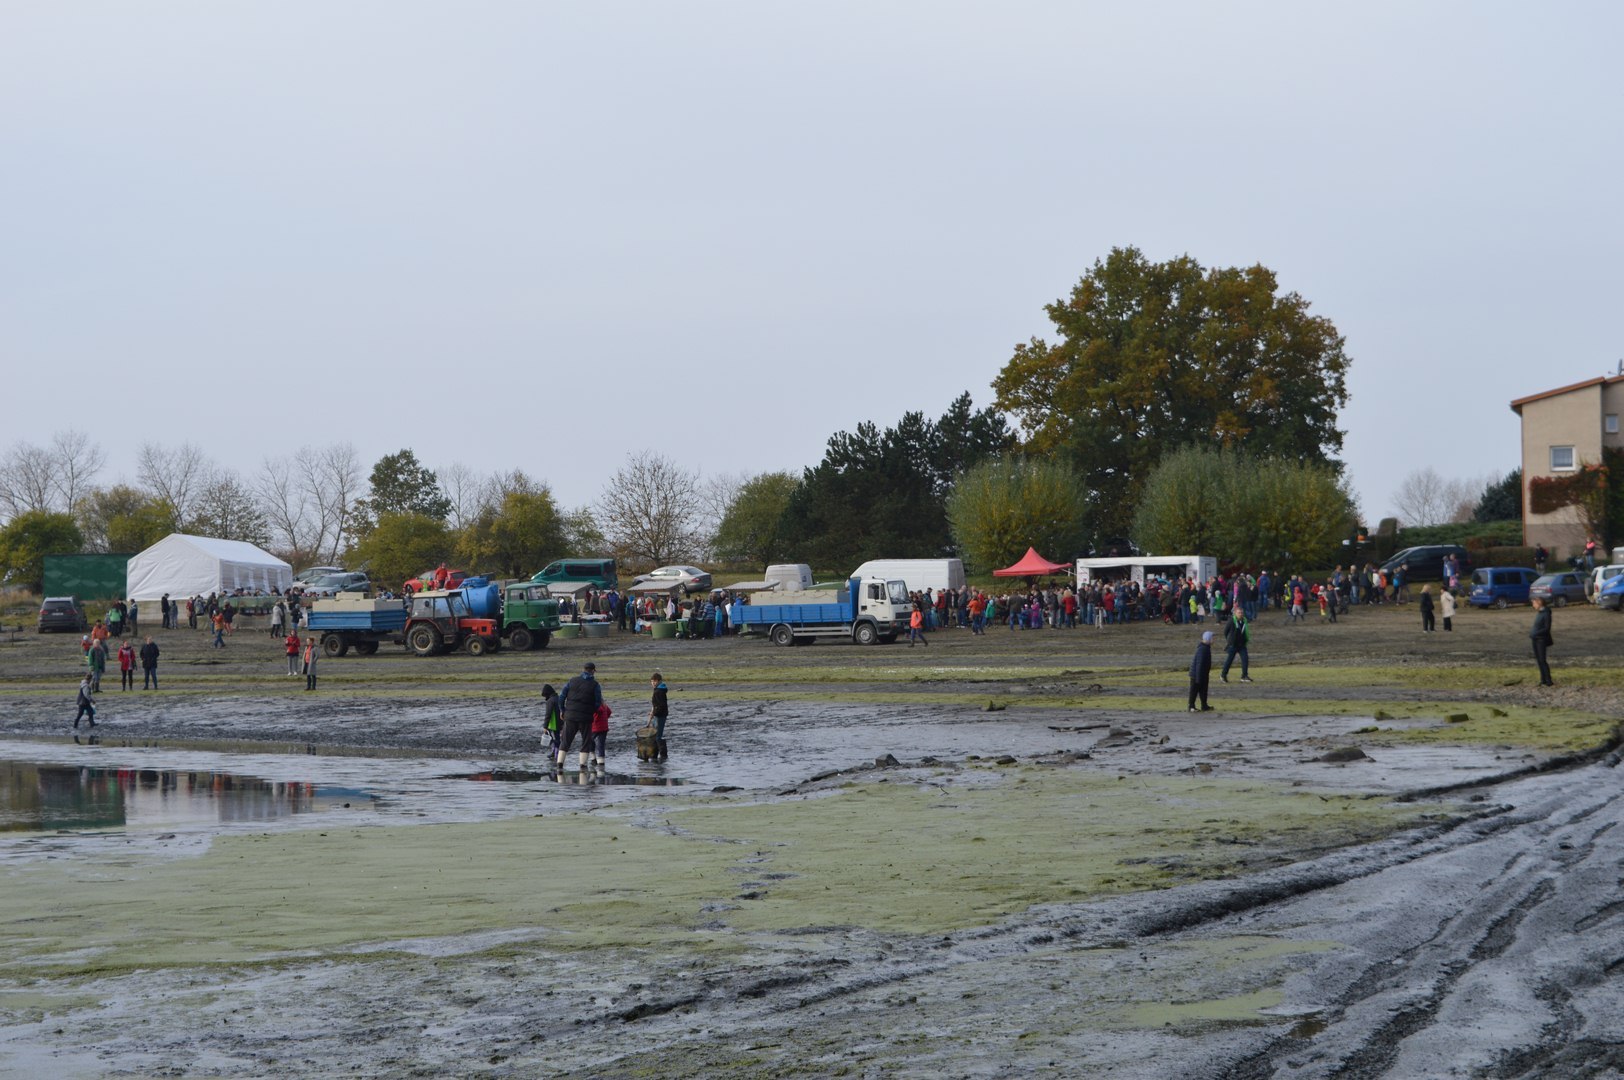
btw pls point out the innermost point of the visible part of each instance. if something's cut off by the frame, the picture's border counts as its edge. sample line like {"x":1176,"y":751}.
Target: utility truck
{"x":353,"y":620}
{"x":866,"y":611}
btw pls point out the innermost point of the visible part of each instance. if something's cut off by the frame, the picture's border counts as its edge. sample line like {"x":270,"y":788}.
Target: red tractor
{"x":440,"y":622}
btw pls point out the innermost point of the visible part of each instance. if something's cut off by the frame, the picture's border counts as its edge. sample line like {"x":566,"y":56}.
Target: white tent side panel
{"x":182,"y":565}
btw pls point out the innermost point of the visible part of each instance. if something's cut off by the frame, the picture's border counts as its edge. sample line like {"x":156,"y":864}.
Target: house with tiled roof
{"x":1563,"y":430}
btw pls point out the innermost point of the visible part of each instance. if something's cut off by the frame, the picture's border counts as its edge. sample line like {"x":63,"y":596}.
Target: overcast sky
{"x":542,"y":235}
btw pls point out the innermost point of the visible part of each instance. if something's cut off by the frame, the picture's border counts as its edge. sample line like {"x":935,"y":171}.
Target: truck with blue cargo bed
{"x":867,"y":611}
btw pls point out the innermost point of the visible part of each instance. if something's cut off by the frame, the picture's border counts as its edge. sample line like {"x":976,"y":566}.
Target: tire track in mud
{"x":1404,"y":1011}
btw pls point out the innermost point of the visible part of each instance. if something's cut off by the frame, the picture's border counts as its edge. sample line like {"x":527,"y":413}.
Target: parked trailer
{"x":878,"y":613}
{"x":350,"y":620}
{"x":1200,"y":567}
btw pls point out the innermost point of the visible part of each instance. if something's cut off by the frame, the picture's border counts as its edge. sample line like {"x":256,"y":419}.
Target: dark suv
{"x":1426,"y":563}
{"x":61,"y":613}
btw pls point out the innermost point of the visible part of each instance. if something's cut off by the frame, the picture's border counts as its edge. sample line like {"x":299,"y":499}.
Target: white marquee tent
{"x":182,"y":566}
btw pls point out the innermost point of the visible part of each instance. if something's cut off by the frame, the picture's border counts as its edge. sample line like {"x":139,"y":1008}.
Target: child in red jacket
{"x":600,"y":734}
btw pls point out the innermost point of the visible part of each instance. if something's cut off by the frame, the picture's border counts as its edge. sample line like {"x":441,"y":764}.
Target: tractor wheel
{"x":865,"y":634}
{"x":782,"y":635}
{"x":423,"y":640}
{"x":520,"y":639}
{"x":475,"y":645}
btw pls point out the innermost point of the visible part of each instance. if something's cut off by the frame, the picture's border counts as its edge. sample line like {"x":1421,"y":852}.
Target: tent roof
{"x":1032,"y":565}
{"x":237,"y":551}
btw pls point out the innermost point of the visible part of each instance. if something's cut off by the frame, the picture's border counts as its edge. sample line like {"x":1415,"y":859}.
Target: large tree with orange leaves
{"x":1155,"y":356}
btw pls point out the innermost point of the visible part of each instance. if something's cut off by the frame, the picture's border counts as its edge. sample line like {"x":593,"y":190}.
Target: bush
{"x":1469,"y":534}
{"x":1508,"y":556}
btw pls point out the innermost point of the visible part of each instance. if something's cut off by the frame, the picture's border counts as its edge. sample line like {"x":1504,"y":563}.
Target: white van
{"x":920,"y":574}
{"x":1600,"y":576}
{"x":789,"y":577}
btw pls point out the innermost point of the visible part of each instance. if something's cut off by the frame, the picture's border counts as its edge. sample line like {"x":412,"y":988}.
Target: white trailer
{"x":919,"y":574}
{"x":1138,"y":568}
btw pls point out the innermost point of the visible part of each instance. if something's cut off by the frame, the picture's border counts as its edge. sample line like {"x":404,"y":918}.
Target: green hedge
{"x":1469,"y":534}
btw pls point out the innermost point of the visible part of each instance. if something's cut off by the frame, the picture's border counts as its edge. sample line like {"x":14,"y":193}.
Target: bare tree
{"x":334,"y":480}
{"x":76,"y":461}
{"x":27,"y":480}
{"x":468,"y":491}
{"x":175,"y":476}
{"x":652,"y":510}
{"x":285,"y":502}
{"x":225,"y":508}
{"x":1425,"y":498}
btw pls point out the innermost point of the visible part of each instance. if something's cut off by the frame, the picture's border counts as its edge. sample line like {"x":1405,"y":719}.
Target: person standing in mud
{"x":1201,"y":672}
{"x":311,"y":656}
{"x":552,"y":721}
{"x":1237,"y":636}
{"x":581,"y":698}
{"x":659,"y":709}
{"x":291,"y":643}
{"x":149,"y":664}
{"x":1540,"y":635}
{"x":126,"y":666}
{"x":1427,"y":623}
{"x":1446,"y":607}
{"x":87,"y":705}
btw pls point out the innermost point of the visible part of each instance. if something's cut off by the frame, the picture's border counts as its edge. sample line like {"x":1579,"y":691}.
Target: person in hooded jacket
{"x":552,"y":720}
{"x":659,"y":709}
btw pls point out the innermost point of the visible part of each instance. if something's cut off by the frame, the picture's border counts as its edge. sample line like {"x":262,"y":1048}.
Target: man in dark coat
{"x":581,"y":698}
{"x":1201,"y":672}
{"x":1540,"y":635}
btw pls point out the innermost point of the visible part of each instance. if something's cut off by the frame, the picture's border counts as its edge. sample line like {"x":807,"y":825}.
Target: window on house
{"x":1610,"y":422}
{"x":1561,"y":459}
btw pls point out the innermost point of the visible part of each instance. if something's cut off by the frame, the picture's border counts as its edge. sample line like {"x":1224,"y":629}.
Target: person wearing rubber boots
{"x":1201,"y":672}
{"x":582,"y":696}
{"x":659,"y":708}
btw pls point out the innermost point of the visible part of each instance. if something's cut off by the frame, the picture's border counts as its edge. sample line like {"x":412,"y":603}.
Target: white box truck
{"x":919,"y":574}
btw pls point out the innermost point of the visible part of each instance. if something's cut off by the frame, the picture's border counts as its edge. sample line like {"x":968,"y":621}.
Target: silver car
{"x":691,"y":578}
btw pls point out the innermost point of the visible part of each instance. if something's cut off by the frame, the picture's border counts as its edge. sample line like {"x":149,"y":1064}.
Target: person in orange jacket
{"x":311,"y":655}
{"x":916,"y":627}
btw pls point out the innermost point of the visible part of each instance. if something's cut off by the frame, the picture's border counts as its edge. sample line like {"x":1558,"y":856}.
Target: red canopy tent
{"x":1032,"y":565}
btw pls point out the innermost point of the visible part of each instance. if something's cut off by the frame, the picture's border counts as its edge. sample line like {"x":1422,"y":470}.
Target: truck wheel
{"x":475,"y":646}
{"x":423,"y":640}
{"x":865,"y":634}
{"x":520,"y":639}
{"x":366,"y":648}
{"x":781,"y":635}
{"x":333,"y":645}
{"x":543,"y":637}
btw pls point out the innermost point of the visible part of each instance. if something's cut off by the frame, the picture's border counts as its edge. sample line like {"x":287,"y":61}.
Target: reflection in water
{"x":583,"y":778}
{"x":40,"y":797}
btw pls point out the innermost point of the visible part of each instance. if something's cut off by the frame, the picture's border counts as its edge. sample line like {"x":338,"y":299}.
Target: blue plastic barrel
{"x":484,"y":600}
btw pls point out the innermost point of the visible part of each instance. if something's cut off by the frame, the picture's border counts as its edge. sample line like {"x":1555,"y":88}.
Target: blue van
{"x":1501,"y":586}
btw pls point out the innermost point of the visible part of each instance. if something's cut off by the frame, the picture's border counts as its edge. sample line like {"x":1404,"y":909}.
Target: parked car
{"x":1426,"y":562}
{"x":1558,"y":589}
{"x":333,"y":584}
{"x":1501,"y":586}
{"x":61,"y":613}
{"x":1601,"y":576}
{"x":1611,"y":596}
{"x":691,"y":578}
{"x":313,"y":574}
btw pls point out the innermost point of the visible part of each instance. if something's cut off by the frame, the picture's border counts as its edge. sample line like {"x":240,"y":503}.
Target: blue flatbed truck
{"x":362,"y":625}
{"x":867,"y":612}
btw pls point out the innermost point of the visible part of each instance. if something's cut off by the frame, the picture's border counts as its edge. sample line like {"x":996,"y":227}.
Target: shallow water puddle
{"x":580,"y":778}
{"x":38,"y":797}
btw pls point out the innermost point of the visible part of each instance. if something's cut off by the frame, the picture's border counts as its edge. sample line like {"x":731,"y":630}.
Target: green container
{"x":663,"y":629}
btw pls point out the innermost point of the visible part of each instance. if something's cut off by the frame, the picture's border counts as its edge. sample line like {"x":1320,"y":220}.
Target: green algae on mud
{"x":904,"y":857}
